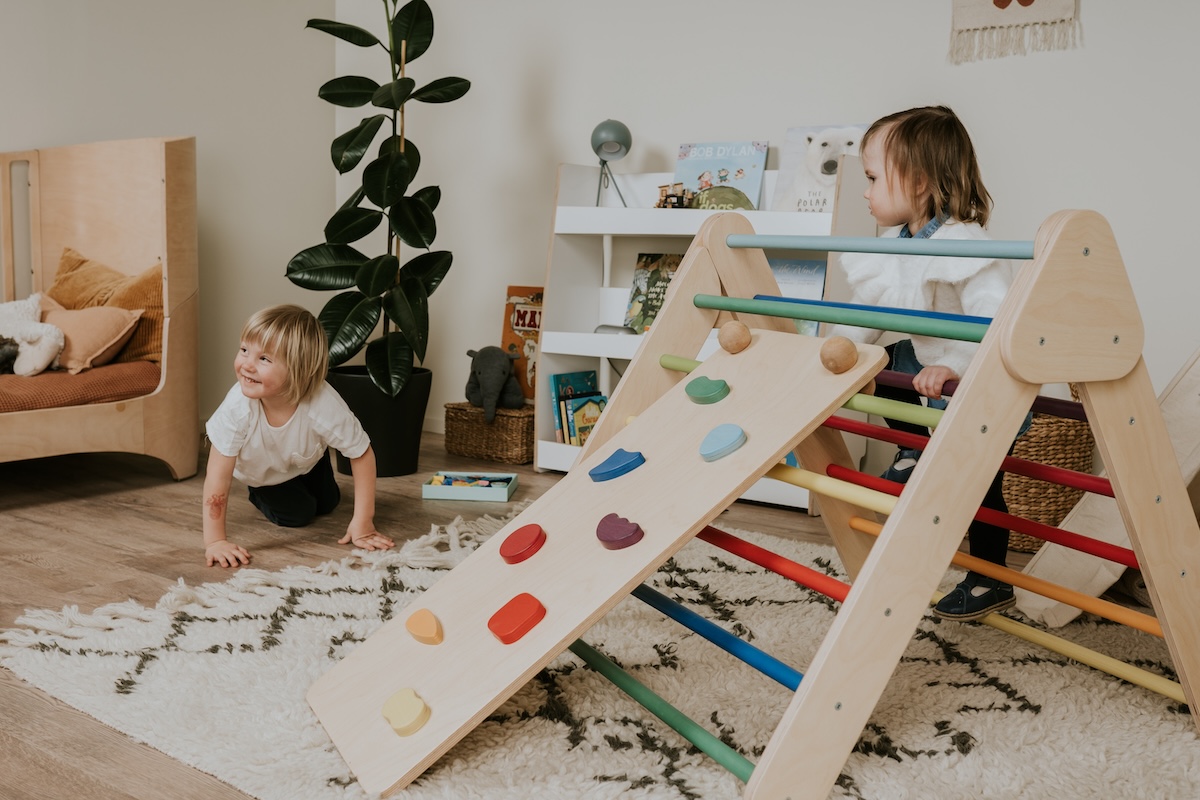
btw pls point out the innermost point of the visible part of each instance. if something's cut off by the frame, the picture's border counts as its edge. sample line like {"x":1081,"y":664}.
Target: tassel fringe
{"x":977,"y":44}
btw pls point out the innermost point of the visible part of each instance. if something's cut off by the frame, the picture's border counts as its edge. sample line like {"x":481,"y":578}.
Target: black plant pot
{"x":393,"y":423}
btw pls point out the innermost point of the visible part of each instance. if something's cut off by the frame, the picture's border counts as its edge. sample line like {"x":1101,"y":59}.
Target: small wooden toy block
{"x":522,"y":543}
{"x":424,"y":626}
{"x":405,"y":712}
{"x":706,"y":390}
{"x":516,"y":618}
{"x":616,"y":533}
{"x":616,"y":465}
{"x":721,"y":441}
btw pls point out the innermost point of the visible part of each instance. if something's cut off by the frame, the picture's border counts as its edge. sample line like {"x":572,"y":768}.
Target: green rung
{"x":704,"y":741}
{"x":879,"y":320}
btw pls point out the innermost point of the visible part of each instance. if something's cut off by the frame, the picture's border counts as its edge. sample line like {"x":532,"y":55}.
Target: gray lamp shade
{"x":611,"y":140}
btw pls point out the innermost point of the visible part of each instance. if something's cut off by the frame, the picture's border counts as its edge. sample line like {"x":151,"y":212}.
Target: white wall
{"x":241,"y":77}
{"x":1103,"y":126}
{"x":1106,"y":126}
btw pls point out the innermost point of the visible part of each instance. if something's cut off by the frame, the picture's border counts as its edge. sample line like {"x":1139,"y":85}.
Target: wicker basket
{"x":1058,"y":442}
{"x":507,"y":439}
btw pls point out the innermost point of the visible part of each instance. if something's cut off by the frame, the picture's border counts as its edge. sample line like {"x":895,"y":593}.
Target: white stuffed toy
{"x":38,"y":343}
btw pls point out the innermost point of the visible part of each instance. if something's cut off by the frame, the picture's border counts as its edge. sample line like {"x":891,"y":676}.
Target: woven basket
{"x":1057,"y":442}
{"x":507,"y":439}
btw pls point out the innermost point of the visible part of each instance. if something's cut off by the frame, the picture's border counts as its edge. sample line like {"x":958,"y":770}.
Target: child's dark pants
{"x":296,"y":502}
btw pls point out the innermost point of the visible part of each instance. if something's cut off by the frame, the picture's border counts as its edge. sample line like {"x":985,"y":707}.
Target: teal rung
{"x":705,"y":742}
{"x":879,"y":320}
{"x":962,"y":248}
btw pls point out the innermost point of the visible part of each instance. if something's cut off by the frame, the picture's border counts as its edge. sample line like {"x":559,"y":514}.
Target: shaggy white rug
{"x":215,"y":676}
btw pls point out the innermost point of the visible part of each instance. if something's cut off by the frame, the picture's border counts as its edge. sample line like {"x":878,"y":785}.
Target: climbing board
{"x":586,"y":558}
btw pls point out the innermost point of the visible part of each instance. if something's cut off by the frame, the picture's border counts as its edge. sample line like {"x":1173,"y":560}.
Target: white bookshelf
{"x":593,"y":250}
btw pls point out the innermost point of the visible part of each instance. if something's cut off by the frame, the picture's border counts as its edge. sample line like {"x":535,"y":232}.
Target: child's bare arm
{"x":361,"y":530}
{"x":218,"y":477}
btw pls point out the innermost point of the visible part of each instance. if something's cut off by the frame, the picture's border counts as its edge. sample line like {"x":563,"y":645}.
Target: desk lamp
{"x":611,"y":141}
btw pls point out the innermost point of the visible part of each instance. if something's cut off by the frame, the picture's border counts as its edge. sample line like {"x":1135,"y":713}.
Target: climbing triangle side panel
{"x":779,"y":393}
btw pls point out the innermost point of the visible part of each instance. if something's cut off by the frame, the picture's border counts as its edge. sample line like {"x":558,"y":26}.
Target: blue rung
{"x":763,"y":662}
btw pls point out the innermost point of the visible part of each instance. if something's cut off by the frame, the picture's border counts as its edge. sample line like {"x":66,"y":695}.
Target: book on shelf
{"x":581,"y":414}
{"x":564,"y":385}
{"x":651,"y":278}
{"x":808,"y":163}
{"x":723,"y":175}
{"x":522,"y":321}
{"x":803,"y":279}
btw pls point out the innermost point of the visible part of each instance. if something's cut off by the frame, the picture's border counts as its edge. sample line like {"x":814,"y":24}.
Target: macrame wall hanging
{"x":996,"y":28}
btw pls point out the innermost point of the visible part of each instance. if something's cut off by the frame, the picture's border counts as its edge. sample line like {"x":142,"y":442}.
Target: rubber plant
{"x":379,"y":286}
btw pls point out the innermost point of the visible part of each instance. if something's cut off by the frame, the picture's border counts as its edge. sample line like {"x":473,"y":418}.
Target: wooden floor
{"x":89,"y":530}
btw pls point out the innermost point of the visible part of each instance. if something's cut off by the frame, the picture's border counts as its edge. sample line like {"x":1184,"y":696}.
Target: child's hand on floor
{"x":226,"y":554}
{"x":365,"y":536}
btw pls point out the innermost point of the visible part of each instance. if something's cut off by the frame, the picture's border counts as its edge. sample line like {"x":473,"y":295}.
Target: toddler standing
{"x":273,"y":432}
{"x":924,"y":182}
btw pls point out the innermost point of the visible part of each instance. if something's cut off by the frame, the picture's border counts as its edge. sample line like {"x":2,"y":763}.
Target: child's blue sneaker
{"x":902,"y":466}
{"x":975,"y":597}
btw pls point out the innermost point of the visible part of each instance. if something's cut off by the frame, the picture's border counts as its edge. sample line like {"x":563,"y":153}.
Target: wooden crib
{"x":130,"y":206}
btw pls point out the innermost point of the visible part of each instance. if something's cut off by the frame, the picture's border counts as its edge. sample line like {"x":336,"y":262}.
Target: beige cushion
{"x":93,"y":336}
{"x":83,"y":283}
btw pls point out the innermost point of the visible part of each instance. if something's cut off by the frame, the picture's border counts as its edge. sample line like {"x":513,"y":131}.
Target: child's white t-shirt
{"x":267,"y":455}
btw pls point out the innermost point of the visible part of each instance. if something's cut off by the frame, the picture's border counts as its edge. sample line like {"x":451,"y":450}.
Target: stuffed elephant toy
{"x":493,"y":384}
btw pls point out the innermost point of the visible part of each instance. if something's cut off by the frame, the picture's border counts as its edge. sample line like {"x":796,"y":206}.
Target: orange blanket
{"x":53,"y":389}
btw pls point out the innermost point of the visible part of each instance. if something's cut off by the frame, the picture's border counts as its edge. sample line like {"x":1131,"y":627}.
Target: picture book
{"x":651,"y":277}
{"x":723,"y":175}
{"x":582,"y":415}
{"x":522,"y":321}
{"x":803,"y":279}
{"x":570,"y":384}
{"x":808,"y":165}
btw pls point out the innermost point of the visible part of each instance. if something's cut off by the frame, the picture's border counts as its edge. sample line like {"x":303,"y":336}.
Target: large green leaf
{"x":411,"y":154}
{"x":389,"y":363}
{"x":430,"y":196}
{"x":385,"y":180}
{"x":349,"y":148}
{"x":393,"y":95}
{"x":325,"y":266}
{"x":377,"y":275}
{"x":430,"y":268}
{"x":413,"y":222}
{"x":414,"y":25}
{"x":407,"y":305}
{"x":350,"y":91}
{"x":350,"y":33}
{"x":351,"y":224}
{"x":348,"y":319}
{"x":443,"y":90}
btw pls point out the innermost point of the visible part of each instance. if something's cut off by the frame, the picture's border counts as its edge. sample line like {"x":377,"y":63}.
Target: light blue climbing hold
{"x":721,"y":441}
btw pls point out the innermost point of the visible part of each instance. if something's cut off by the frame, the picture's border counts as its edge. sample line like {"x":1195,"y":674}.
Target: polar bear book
{"x":808,"y":165}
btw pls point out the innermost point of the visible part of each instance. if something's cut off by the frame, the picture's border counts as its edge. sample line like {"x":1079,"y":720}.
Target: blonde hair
{"x":931,"y":153}
{"x":292,"y":335}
